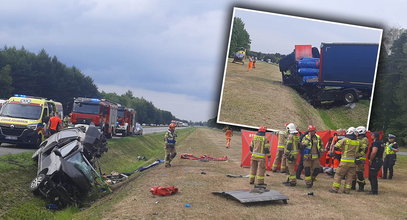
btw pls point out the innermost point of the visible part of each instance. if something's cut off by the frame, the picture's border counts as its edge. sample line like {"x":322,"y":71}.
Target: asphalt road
{"x":13,"y":149}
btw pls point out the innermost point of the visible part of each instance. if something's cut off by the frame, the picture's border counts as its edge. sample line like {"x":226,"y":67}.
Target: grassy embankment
{"x":17,"y":171}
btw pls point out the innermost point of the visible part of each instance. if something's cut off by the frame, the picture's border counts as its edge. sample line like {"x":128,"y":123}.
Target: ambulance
{"x":20,"y":115}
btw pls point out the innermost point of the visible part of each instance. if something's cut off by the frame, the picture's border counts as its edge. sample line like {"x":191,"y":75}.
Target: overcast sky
{"x":276,"y":33}
{"x":169,"y":52}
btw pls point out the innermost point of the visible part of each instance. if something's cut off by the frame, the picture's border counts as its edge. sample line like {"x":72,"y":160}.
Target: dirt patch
{"x":195,"y":189}
{"x":257,"y":97}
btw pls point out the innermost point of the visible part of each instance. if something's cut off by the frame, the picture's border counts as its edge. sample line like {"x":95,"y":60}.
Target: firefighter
{"x":170,"y":141}
{"x":228,"y":134}
{"x":390,"y":159}
{"x":260,"y":149}
{"x":280,"y":160}
{"x":313,"y":149}
{"x":291,"y":153}
{"x":300,"y":167}
{"x":360,"y":162}
{"x":347,"y":168}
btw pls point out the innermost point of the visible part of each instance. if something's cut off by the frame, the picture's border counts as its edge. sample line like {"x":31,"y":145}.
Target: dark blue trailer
{"x":341,"y":72}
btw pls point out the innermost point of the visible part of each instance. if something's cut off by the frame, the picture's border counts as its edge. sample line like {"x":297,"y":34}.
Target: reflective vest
{"x":292,"y":142}
{"x":259,"y":143}
{"x":363,"y":147}
{"x":388,"y":148}
{"x":308,"y":143}
{"x":169,"y":137}
{"x":281,"y":140}
{"x":350,"y":149}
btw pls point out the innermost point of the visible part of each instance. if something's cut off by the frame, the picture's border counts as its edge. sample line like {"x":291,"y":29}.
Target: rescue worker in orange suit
{"x":347,"y":168}
{"x":360,"y":162}
{"x":375,"y":162}
{"x":280,"y":160}
{"x":312,"y":150}
{"x":228,"y":134}
{"x":291,"y":153}
{"x":170,"y":141}
{"x":260,"y":149}
{"x":390,"y":159}
{"x":55,"y":124}
{"x":250,"y":65}
{"x":336,"y":154}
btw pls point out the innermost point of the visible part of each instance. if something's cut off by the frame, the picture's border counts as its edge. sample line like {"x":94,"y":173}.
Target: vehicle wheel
{"x":349,"y":97}
{"x":36,"y":183}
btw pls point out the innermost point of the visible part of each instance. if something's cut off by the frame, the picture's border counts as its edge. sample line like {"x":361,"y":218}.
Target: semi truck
{"x":101,"y":112}
{"x":338,"y":72}
{"x":21,"y":115}
{"x":126,"y":121}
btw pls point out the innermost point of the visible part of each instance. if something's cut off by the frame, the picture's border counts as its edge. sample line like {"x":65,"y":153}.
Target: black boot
{"x":361,"y":187}
{"x":353,"y":185}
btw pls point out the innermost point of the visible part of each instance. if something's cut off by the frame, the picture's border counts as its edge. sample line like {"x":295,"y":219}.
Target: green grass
{"x":342,"y":117}
{"x":17,"y":171}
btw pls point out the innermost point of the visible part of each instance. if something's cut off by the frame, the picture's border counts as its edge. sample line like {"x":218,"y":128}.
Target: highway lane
{"x":13,"y":149}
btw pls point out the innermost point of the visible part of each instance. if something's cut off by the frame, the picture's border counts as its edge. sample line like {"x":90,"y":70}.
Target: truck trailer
{"x":338,"y":72}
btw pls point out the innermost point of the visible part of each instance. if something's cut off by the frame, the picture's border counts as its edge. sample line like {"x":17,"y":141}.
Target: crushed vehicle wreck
{"x":66,"y":165}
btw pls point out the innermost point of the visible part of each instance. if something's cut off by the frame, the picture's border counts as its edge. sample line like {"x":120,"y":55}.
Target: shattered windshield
{"x":21,"y":111}
{"x":86,"y":108}
{"x":79,"y":163}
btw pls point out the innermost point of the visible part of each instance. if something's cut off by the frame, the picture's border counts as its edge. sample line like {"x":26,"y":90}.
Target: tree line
{"x":146,"y":111}
{"x":389,"y":109}
{"x":27,"y":73}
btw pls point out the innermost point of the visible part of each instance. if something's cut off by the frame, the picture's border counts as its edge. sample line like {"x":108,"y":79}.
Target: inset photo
{"x":285,"y":69}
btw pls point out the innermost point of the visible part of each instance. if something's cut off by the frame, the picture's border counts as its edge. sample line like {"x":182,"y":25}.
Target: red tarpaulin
{"x":247,"y":137}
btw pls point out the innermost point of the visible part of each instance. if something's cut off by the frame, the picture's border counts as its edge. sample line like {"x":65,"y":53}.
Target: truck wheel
{"x":349,"y":97}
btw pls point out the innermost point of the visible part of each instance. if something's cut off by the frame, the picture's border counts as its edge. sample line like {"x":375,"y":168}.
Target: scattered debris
{"x":164,"y":175}
{"x":142,"y":158}
{"x":156,"y":202}
{"x":351,"y":105}
{"x":117,"y":177}
{"x":187,"y":205}
{"x":203,"y":158}
{"x":203,"y":173}
{"x":163,"y":191}
{"x":52,"y":206}
{"x":258,"y":195}
{"x":310,"y":193}
{"x":237,"y":176}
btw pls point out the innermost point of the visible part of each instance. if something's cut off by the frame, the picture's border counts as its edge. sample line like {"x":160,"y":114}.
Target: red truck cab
{"x":101,"y":112}
{"x":126,"y":121}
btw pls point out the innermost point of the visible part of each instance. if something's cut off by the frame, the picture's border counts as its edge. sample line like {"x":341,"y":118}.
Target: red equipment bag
{"x":163,"y":191}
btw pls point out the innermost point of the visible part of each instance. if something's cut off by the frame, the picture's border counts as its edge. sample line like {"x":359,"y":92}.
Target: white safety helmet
{"x":361,"y":130}
{"x":291,"y":128}
{"x":351,"y":130}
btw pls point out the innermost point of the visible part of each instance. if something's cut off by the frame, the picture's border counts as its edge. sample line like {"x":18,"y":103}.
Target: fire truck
{"x":101,"y":112}
{"x":126,"y":120}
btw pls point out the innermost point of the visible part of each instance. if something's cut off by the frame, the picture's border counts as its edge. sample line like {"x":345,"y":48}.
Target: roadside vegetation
{"x":17,"y":171}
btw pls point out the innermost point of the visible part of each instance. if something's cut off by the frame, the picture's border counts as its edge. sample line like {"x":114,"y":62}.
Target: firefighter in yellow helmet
{"x":349,"y":146}
{"x":291,"y":153}
{"x":170,"y":141}
{"x":360,"y":160}
{"x":260,"y":149}
{"x":312,"y":150}
{"x":280,"y":160}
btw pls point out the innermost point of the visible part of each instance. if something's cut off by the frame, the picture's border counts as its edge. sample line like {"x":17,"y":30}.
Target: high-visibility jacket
{"x":292,"y":144}
{"x":282,"y":136}
{"x":309,"y":143}
{"x":363,"y":147}
{"x":350,"y":149}
{"x":170,"y":136}
{"x":260,"y":147}
{"x":388,"y":148}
